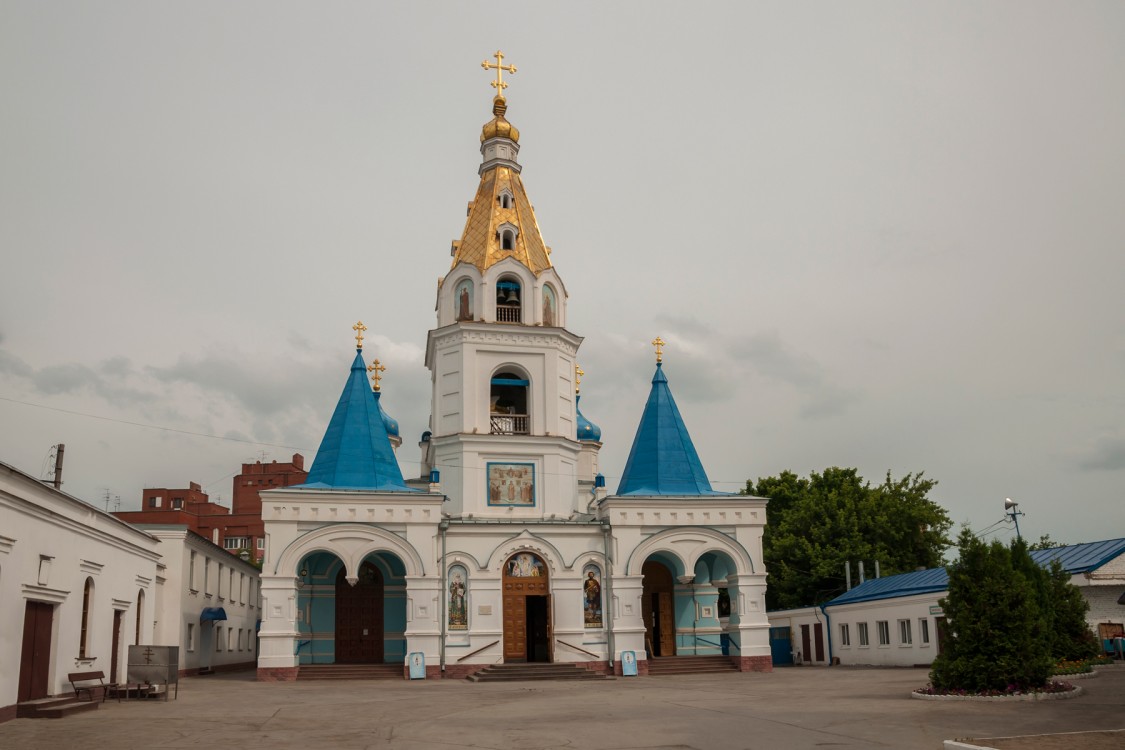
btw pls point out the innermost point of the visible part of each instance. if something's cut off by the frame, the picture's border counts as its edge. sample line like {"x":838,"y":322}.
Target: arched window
{"x":505,"y":199}
{"x":508,"y":302}
{"x":87,"y":597}
{"x":507,"y":240}
{"x":507,"y":404}
{"x":140,"y":616}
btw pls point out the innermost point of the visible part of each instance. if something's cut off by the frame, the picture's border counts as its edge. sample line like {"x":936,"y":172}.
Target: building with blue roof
{"x":506,"y":545}
{"x":897,"y":620}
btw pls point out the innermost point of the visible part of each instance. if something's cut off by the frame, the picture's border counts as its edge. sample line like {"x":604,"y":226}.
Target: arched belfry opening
{"x":509,"y":301}
{"x":508,"y":404}
{"x":527,"y":609}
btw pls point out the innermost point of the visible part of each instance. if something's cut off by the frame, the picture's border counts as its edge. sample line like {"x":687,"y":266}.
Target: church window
{"x":864,"y":639}
{"x":507,"y":404}
{"x":140,"y":615}
{"x":84,"y":636}
{"x":508,"y":240}
{"x":845,"y":635}
{"x":189,"y":638}
{"x":505,"y":200}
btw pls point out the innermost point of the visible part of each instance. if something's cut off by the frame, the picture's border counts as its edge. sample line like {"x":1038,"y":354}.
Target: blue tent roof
{"x":663,"y":460}
{"x":1075,"y":558}
{"x":587,"y":430}
{"x":355,"y":452}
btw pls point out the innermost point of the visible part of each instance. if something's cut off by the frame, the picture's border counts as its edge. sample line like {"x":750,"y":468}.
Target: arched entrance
{"x":341,"y":623}
{"x":658,"y":608}
{"x":359,"y":616}
{"x":527,"y":609}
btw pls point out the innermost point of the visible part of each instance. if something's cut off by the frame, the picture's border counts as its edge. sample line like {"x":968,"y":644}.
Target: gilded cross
{"x":375,"y":368}
{"x":359,"y":328}
{"x":499,"y":67}
{"x":659,"y":344}
{"x":578,"y":373}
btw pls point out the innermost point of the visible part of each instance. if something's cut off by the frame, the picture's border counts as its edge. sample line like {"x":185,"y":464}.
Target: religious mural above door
{"x":524,"y":565}
{"x":511,"y":484}
{"x":458,"y":588}
{"x":592,"y":597}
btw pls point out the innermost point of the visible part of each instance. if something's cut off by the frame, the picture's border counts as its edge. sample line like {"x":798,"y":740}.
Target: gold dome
{"x":498,"y":127}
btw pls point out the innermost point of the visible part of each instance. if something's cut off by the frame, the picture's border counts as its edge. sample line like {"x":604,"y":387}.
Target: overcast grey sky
{"x":875,"y":234}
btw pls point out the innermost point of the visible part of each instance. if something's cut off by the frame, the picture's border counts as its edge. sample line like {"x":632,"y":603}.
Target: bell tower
{"x":504,"y":417}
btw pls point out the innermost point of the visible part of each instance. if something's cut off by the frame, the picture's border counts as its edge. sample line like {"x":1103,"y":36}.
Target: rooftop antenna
{"x":1012,"y":511}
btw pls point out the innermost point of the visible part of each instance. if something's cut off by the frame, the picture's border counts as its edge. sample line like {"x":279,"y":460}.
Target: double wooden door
{"x":35,"y":659}
{"x":658,"y":609}
{"x":527,"y":613}
{"x":359,"y":617}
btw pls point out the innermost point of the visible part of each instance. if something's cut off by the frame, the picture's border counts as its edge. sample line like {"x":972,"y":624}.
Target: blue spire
{"x":587,"y":430}
{"x":663,"y":460}
{"x":355,"y":452}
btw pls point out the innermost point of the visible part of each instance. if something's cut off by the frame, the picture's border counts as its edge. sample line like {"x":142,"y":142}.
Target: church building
{"x":509,"y":549}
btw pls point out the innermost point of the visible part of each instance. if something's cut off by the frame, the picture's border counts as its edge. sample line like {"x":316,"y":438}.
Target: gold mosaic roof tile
{"x":480,"y":242}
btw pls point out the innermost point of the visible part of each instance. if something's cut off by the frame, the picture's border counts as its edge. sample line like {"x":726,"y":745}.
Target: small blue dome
{"x":389,"y":423}
{"x":587,"y":430}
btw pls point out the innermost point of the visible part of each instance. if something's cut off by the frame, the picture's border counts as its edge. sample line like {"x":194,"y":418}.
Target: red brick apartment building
{"x":237,"y":528}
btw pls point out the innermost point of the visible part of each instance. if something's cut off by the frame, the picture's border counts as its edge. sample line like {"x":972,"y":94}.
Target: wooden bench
{"x":90,"y":683}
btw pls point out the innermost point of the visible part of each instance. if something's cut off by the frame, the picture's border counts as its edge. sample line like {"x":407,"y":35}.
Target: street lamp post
{"x":1012,"y":511}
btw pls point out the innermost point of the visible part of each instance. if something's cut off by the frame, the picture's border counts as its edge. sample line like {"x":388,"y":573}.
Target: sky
{"x":885,"y":235}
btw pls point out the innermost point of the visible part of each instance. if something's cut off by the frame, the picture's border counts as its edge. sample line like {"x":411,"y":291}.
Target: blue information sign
{"x":417,"y":661}
{"x":629,"y":663}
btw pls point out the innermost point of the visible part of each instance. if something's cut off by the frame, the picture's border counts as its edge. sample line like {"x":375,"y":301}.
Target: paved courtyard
{"x":790,"y":709}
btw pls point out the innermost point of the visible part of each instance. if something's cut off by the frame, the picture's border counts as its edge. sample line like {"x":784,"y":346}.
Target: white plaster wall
{"x":1103,"y":605}
{"x":185,"y":602}
{"x":912,"y":608}
{"x":75,"y":541}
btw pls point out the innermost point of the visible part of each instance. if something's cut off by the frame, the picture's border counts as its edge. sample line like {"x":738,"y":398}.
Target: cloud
{"x":10,"y":364}
{"x":770,"y":357}
{"x":1107,"y":454}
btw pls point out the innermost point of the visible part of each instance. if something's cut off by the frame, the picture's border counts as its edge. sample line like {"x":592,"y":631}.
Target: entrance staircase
{"x":665,"y":665}
{"x":54,"y":708}
{"x":350,"y":672}
{"x":534,"y":671}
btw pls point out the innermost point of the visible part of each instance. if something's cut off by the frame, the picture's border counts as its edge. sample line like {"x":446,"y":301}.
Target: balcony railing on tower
{"x":507,"y":314}
{"x":509,"y":424}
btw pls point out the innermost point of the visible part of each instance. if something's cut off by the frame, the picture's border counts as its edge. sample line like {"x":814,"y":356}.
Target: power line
{"x":150,"y":426}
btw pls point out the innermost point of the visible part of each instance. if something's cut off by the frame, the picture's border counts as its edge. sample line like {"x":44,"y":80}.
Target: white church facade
{"x":509,"y":549}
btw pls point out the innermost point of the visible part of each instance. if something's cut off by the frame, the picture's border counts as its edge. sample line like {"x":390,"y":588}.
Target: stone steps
{"x":350,"y":672}
{"x":53,"y":708}
{"x":526,"y":672}
{"x":668,"y":665}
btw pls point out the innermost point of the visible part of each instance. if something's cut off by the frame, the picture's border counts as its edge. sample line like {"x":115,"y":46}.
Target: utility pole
{"x":58,"y":465}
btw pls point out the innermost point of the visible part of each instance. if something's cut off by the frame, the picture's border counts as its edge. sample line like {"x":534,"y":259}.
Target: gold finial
{"x":499,"y":84}
{"x":659,"y":344}
{"x":359,"y":328}
{"x":578,"y":373}
{"x":375,"y":368}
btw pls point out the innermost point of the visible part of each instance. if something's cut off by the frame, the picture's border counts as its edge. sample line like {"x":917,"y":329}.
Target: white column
{"x":278,"y":636}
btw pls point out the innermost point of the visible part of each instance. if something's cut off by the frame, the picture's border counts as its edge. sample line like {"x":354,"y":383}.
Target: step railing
{"x":561,"y":642}
{"x":474,"y":653}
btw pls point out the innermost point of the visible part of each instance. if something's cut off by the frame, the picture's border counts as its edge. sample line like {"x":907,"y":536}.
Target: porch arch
{"x":351,"y":543}
{"x":687,"y":545}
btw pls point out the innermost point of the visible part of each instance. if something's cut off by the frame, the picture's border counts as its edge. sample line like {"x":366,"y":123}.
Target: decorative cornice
{"x":44,"y":594}
{"x":87,"y":566}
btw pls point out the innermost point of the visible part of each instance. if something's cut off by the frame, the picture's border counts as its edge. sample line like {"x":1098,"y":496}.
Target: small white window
{"x":924,"y":631}
{"x":154,"y":502}
{"x":218,"y":638}
{"x":884,"y":628}
{"x":845,"y":636}
{"x":864,"y":640}
{"x":904,"y":635}
{"x":190,"y":638}
{"x":230,"y":639}
{"x":261,"y":542}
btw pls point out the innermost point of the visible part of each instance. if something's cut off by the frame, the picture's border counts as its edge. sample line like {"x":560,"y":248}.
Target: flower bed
{"x":1051,"y":691}
{"x":1066,"y":668}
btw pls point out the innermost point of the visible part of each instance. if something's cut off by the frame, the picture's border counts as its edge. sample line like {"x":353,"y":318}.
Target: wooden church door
{"x":658,"y":609}
{"x":527,"y":609}
{"x":359,"y":617}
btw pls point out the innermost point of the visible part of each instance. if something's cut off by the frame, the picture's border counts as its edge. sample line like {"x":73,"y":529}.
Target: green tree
{"x":993,"y":622}
{"x":816,"y":524}
{"x":1045,"y":542}
{"x":1072,"y":638}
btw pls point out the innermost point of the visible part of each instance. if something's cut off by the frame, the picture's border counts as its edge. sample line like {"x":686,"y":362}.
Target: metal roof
{"x":1075,"y":558}
{"x":356,"y":452}
{"x":663,"y":460}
